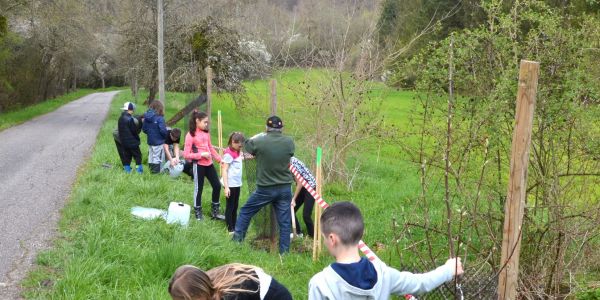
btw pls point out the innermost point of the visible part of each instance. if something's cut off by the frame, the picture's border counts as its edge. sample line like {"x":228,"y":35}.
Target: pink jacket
{"x":202,"y":142}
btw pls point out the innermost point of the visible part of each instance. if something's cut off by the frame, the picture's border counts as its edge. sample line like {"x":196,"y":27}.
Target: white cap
{"x":128,"y":106}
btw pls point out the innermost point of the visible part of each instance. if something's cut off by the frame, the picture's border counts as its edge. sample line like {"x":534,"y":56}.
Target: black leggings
{"x":304,"y":197}
{"x":209,"y":172}
{"x":232,"y":207}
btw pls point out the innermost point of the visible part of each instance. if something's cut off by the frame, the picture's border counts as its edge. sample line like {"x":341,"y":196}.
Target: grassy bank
{"x":103,"y":252}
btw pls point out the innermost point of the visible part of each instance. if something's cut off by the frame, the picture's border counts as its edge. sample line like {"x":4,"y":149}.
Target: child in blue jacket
{"x":156,"y":130}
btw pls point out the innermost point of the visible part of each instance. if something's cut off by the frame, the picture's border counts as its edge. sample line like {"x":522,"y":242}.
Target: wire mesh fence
{"x":476,"y":286}
{"x":263,"y":222}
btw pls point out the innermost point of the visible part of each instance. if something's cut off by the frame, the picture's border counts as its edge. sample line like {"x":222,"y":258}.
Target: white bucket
{"x":178,"y":213}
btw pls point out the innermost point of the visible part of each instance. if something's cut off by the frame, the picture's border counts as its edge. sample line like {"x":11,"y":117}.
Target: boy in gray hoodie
{"x":355,"y":277}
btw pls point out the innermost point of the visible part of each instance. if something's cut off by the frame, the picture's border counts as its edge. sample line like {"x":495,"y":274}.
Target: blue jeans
{"x":281,"y":198}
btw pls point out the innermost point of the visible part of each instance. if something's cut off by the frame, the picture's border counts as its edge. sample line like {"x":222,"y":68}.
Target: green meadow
{"x":103,"y":252}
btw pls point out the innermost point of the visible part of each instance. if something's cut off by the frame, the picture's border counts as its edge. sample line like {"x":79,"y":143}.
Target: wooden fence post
{"x":273,"y":218}
{"x":517,"y":184}
{"x":273,"y":97}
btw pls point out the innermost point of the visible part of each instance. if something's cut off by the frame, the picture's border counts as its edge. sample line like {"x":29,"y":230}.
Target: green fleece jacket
{"x":273,"y":151}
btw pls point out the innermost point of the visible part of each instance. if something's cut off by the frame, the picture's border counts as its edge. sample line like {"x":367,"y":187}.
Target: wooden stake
{"x":272,"y":217}
{"x":517,"y":183}
{"x":293,"y":221}
{"x":161,"y":65}
{"x":317,"y":221}
{"x":208,"y":71}
{"x":273,"y":97}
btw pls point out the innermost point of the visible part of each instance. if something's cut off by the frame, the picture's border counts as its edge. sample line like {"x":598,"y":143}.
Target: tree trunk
{"x":152,"y":92}
{"x":134,"y":87}
{"x":74,"y":83}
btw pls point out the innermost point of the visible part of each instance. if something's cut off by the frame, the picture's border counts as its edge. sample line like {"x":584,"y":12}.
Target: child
{"x":200,"y":151}
{"x":302,"y":196}
{"x":171,"y":146}
{"x":353,"y":277}
{"x":128,"y":142}
{"x":232,"y":178}
{"x":155,"y":128}
{"x":228,"y":282}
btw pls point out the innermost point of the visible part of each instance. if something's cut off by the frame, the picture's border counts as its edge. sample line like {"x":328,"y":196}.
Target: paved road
{"x":38,"y":165}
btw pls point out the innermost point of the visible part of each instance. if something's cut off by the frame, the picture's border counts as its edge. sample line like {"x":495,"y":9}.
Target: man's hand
{"x":227,"y":192}
{"x":294,"y":202}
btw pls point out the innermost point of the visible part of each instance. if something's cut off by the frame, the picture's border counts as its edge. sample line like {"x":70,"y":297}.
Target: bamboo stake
{"x":220,"y":139}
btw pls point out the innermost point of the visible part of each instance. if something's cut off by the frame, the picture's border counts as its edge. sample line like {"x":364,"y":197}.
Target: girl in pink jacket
{"x":200,"y":151}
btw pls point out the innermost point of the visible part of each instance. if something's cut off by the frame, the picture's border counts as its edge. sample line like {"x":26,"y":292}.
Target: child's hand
{"x":205,"y":154}
{"x":227,"y":192}
{"x":456,"y":265}
{"x":293,"y":202}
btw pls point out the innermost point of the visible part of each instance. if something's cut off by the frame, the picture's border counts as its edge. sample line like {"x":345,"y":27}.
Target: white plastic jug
{"x":178,"y":213}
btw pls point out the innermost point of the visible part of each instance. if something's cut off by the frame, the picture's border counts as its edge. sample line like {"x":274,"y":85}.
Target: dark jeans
{"x":127,"y":153}
{"x":232,"y":207}
{"x":304,"y":197}
{"x":209,"y":172}
{"x":280,"y":197}
{"x":121,"y":151}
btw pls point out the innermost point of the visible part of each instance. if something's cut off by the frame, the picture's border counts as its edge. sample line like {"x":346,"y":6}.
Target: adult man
{"x":272,"y":151}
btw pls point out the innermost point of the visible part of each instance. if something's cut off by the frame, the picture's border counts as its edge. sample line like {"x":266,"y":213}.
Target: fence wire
{"x":262,"y":220}
{"x":478,"y":286}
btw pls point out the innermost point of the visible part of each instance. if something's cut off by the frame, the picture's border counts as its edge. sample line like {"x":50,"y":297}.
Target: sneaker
{"x":231,"y":232}
{"x":127,"y":169}
{"x":140,"y":169}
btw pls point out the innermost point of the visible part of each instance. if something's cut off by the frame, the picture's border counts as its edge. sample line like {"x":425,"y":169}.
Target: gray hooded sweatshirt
{"x":328,"y":284}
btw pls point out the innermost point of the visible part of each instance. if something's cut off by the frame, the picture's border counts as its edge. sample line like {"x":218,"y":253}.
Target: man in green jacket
{"x":272,"y":151}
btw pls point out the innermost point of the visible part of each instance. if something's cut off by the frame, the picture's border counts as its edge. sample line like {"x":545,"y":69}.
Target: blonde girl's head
{"x":191,"y":283}
{"x":227,"y":279}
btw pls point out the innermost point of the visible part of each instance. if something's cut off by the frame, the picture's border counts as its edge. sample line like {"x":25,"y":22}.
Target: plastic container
{"x":178,"y":213}
{"x":147,"y":213}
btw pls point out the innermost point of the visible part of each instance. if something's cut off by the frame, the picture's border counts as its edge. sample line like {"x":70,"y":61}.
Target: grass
{"x":105,"y":253}
{"x":18,"y":116}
